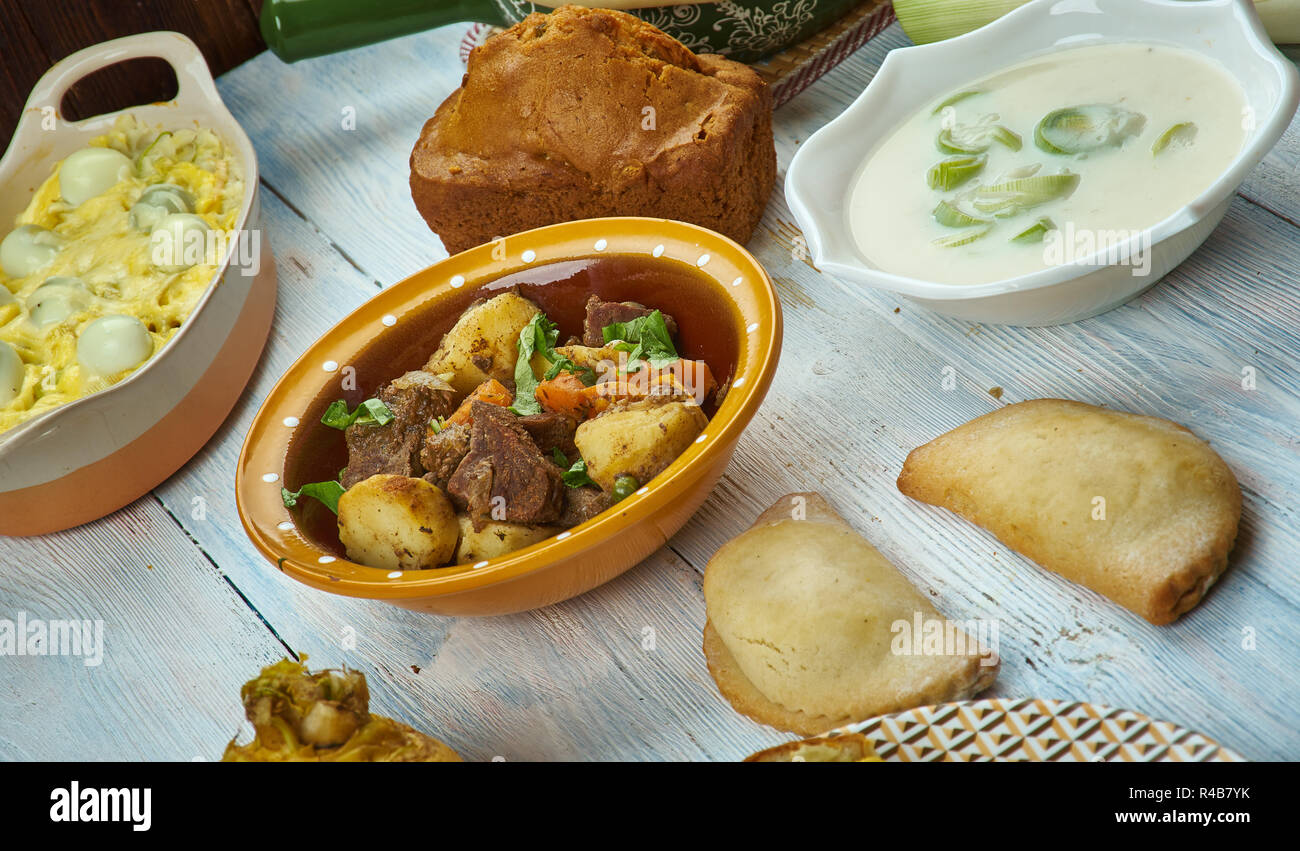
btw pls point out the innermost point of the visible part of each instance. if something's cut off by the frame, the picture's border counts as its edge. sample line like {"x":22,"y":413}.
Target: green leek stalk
{"x":925,"y":21}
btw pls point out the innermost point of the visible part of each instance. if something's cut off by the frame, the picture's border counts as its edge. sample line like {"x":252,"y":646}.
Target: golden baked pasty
{"x":843,"y":747}
{"x":1136,"y":508}
{"x":803,"y":617}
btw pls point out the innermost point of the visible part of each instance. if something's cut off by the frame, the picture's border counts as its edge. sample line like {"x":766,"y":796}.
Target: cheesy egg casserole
{"x":109,"y":259}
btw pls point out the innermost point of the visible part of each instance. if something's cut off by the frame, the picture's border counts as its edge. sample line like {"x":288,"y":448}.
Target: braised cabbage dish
{"x":508,"y":436}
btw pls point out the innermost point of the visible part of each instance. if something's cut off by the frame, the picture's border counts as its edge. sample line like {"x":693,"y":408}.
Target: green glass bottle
{"x":744,"y":31}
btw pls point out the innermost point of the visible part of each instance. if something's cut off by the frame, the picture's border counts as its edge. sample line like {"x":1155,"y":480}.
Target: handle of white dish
{"x":193,"y":79}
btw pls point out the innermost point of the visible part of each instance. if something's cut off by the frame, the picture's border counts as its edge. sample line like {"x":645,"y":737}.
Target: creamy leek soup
{"x":1041,"y":162}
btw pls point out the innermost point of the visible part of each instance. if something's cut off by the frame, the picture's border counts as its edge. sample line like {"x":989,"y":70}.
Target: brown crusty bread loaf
{"x":583,"y":113}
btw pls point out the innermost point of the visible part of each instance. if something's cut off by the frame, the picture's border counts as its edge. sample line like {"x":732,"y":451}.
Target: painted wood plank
{"x":385,"y":93}
{"x":177,"y":642}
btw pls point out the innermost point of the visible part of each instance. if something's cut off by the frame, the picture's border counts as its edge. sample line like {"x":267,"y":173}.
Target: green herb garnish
{"x":369,"y":412}
{"x":539,"y":335}
{"x":576,"y":476}
{"x":327,"y":493}
{"x":559,"y":363}
{"x":644,"y":338}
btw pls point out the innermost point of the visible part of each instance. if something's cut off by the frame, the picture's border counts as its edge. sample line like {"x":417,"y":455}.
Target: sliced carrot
{"x":696,"y":377}
{"x":491,"y":391}
{"x":566,"y":394}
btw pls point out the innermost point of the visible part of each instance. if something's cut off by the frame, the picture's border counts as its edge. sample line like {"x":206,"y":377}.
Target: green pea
{"x":625,"y":486}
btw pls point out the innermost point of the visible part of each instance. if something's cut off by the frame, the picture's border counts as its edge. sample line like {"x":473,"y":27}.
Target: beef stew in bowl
{"x":439,"y":354}
{"x":484,"y":450}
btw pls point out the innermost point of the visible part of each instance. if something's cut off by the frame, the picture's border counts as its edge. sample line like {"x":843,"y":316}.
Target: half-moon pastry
{"x":844,"y":747}
{"x":1136,"y":508}
{"x":810,"y":628}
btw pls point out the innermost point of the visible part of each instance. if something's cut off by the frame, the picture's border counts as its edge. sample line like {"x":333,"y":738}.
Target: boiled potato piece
{"x":640,"y":439}
{"x":483,"y":343}
{"x":397,"y":523}
{"x":497,"y":539}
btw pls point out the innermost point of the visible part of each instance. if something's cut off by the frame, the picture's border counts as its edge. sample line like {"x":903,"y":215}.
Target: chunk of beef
{"x":551,"y":431}
{"x":505,"y":476}
{"x":602,"y":313}
{"x":414,"y":398}
{"x":582,"y":504}
{"x":442,"y":453}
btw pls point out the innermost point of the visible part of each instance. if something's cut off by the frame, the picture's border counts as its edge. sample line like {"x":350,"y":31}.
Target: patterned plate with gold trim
{"x":1034,"y":730}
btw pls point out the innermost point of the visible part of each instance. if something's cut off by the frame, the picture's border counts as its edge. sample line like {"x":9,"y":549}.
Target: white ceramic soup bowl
{"x":85,"y":459}
{"x":821,"y":176}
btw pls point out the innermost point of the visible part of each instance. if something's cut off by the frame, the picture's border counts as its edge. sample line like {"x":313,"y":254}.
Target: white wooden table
{"x":190,"y":610}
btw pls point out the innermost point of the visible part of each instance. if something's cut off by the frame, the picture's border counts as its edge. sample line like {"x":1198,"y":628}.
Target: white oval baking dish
{"x":820,"y":177}
{"x":87,"y":458}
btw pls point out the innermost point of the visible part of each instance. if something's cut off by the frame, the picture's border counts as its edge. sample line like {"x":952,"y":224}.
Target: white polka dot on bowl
{"x":704,"y":258}
{"x":739,"y":381}
{"x":284,"y":526}
{"x":601,"y":244}
{"x":270,"y":477}
{"x":326,"y":559}
{"x":457,"y":281}
{"x":701,"y":438}
{"x":330,"y":366}
{"x":396,"y":574}
{"x":737,"y":282}
{"x":529,"y":256}
{"x":752,"y":328}
{"x":291,"y":422}
{"x":477,"y":565}
{"x":389,"y":320}
{"x":658,"y":251}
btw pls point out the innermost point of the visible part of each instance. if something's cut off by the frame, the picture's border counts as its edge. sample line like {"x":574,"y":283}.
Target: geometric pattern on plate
{"x":1034,"y":730}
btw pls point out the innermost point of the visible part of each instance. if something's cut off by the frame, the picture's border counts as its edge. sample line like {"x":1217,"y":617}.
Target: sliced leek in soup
{"x":1101,"y":142}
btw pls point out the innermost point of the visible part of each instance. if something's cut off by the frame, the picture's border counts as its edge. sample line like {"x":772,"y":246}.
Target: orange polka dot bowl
{"x":727,"y":313}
